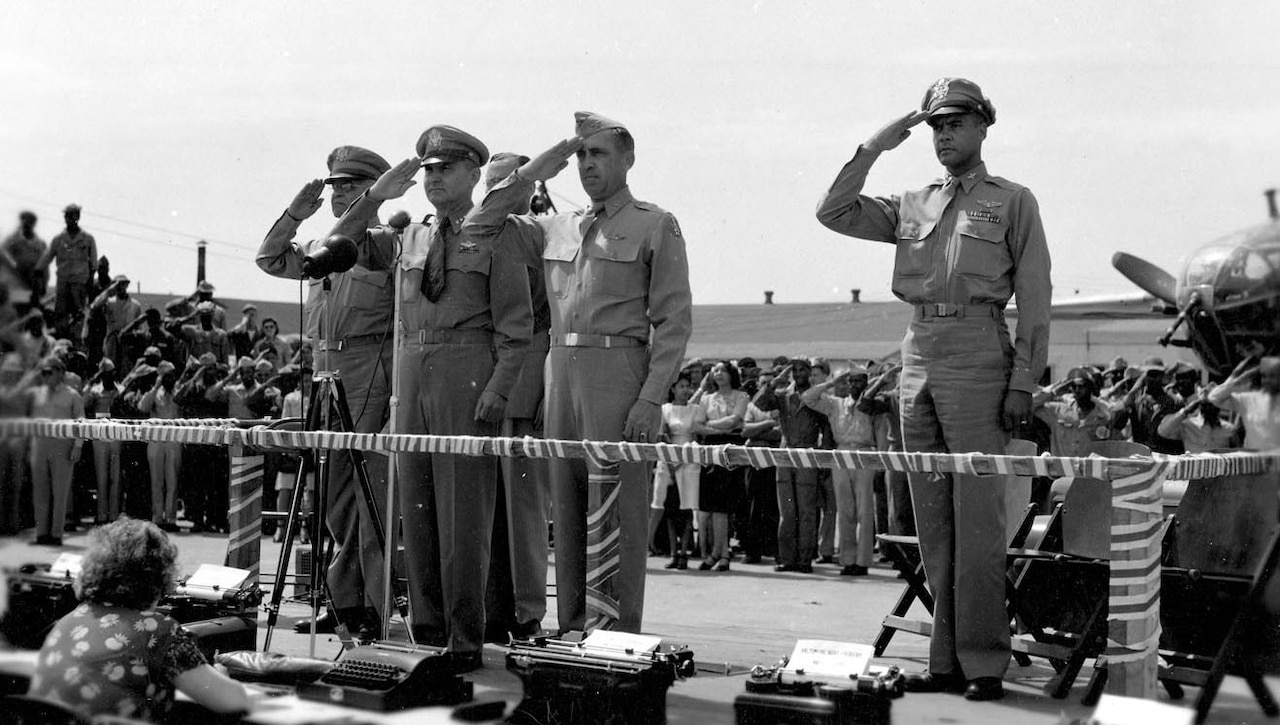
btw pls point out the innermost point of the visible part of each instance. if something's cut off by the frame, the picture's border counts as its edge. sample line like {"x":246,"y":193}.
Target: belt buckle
{"x":571,"y":339}
{"x":422,"y":337}
{"x":946,"y":309}
{"x":606,"y":341}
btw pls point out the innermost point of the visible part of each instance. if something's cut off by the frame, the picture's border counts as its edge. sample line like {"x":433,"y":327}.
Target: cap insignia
{"x":342,"y":154}
{"x":940,"y":90}
{"x":434,"y":138}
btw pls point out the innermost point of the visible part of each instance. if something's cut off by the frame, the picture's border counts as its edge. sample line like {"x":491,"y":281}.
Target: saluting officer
{"x":517,"y":590}
{"x":618,"y":287}
{"x":350,"y":332}
{"x":964,"y":245}
{"x":465,"y":322}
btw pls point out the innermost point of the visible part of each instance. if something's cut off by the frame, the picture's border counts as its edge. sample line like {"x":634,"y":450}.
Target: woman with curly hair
{"x":114,"y":654}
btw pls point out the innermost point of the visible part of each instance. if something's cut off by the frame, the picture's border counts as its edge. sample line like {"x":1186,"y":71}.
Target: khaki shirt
{"x":59,"y":403}
{"x":361,"y":298}
{"x":482,"y":291}
{"x":973,"y":240}
{"x":623,"y":271}
{"x":76,"y":256}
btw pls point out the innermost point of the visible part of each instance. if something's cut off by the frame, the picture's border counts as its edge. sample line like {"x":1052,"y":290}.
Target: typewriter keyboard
{"x":364,"y":674}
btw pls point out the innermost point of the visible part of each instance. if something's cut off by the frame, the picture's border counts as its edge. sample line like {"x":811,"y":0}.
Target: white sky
{"x":1144,"y":127}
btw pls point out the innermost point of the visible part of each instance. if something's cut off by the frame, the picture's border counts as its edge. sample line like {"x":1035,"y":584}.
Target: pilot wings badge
{"x":990,"y":204}
{"x":468,"y":246}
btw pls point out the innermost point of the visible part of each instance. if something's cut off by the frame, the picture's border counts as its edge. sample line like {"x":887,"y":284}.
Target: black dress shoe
{"x":804,"y":568}
{"x":463,"y":662}
{"x":326,"y":623}
{"x":930,"y":682}
{"x":527,"y":630}
{"x":785,"y":567}
{"x":751,"y":559}
{"x":825,"y":559}
{"x":853,"y":570}
{"x":984,"y":688}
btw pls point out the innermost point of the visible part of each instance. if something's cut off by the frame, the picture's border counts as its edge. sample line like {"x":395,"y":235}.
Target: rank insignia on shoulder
{"x":468,"y":246}
{"x":675,"y":228}
{"x":990,"y":204}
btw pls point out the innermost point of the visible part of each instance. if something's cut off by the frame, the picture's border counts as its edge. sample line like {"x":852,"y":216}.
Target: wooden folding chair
{"x":1220,"y":554}
{"x":1060,"y":590}
{"x":904,"y":554}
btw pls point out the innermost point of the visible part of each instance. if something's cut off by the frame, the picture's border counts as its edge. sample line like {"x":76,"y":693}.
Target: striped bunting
{"x":603,"y":536}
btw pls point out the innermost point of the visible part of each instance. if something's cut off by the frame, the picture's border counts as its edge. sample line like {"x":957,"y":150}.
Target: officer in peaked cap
{"x":346,"y":327}
{"x":965,"y":244}
{"x":618,"y":288}
{"x":465,"y":325}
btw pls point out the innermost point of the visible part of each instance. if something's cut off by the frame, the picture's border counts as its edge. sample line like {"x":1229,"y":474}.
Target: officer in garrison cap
{"x":964,"y":245}
{"x":347,"y":328}
{"x":618,"y":287}
{"x":465,"y":320}
{"x":516,"y":598}
{"x":76,"y":253}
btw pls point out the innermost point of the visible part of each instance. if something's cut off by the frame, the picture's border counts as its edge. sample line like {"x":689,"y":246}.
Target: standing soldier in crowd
{"x":349,"y":328}
{"x":76,"y":253}
{"x":120,"y":310}
{"x":516,"y":600}
{"x":204,"y":336}
{"x":963,"y":246}
{"x":25,"y":248}
{"x":797,"y":488}
{"x":618,"y":285}
{"x":465,"y":320}
{"x":52,"y":459}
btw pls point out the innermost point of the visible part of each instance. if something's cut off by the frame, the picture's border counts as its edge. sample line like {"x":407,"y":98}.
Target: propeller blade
{"x":1150,"y":278}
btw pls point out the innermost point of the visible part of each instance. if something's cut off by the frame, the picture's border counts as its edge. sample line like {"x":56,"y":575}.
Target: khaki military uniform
{"x":618,"y":286}
{"x":471,"y":340}
{"x":356,"y":343}
{"x":964,"y":246}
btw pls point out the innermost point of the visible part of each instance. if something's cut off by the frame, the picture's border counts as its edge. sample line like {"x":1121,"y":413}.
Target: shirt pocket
{"x":914,"y":253}
{"x":983,"y":252}
{"x":369,"y":290}
{"x":467,"y":278}
{"x":558,"y":258}
{"x":612,"y":259}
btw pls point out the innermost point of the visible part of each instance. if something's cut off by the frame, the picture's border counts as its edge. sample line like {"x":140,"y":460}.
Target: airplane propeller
{"x":1147,"y":276}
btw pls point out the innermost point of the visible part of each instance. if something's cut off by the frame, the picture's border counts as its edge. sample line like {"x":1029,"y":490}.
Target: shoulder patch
{"x":675,"y":227}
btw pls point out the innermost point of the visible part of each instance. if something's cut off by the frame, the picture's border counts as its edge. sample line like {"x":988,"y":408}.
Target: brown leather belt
{"x":456,"y":337}
{"x":577,"y":339}
{"x":946,"y":309}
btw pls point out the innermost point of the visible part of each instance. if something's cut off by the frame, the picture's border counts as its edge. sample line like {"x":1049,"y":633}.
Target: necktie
{"x":587,"y":220}
{"x":433,"y":272}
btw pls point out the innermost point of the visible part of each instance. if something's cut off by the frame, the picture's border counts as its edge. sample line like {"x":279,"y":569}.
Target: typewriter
{"x":609,"y":677}
{"x":390,"y":676}
{"x":803,"y":689}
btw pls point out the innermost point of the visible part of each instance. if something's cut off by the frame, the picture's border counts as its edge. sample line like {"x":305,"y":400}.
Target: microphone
{"x":335,"y":256}
{"x":399,"y":220}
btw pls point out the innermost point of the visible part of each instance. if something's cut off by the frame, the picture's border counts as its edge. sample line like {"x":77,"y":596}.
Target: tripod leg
{"x":282,"y":565}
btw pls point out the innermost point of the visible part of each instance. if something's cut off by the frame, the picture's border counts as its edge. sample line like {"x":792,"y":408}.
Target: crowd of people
{"x":89,"y":349}
{"x":802,"y":517}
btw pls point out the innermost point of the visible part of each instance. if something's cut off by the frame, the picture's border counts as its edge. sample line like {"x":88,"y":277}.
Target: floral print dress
{"x":103,"y":659}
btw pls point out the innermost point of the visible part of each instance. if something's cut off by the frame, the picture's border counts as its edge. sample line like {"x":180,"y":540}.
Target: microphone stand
{"x":393,"y":464}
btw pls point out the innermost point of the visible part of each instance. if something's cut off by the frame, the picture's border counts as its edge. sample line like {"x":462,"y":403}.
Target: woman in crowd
{"x":724,"y":405}
{"x":270,"y":338}
{"x":114,"y":654}
{"x":680,"y":419}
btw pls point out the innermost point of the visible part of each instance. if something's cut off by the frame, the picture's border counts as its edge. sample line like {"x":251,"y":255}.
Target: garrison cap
{"x":164,"y":367}
{"x":245,"y":362}
{"x":120,"y":278}
{"x":354,"y":162}
{"x":106,"y":366}
{"x":1153,"y":364}
{"x":71,"y":209}
{"x":957,"y":95}
{"x":439,"y":144}
{"x":174,"y":304}
{"x":208,"y":359}
{"x":249,"y":306}
{"x":1080,"y":374}
{"x":205,"y":306}
{"x":587,"y":124}
{"x":152,"y":351}
{"x":264,"y":365}
{"x":205,"y":286}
